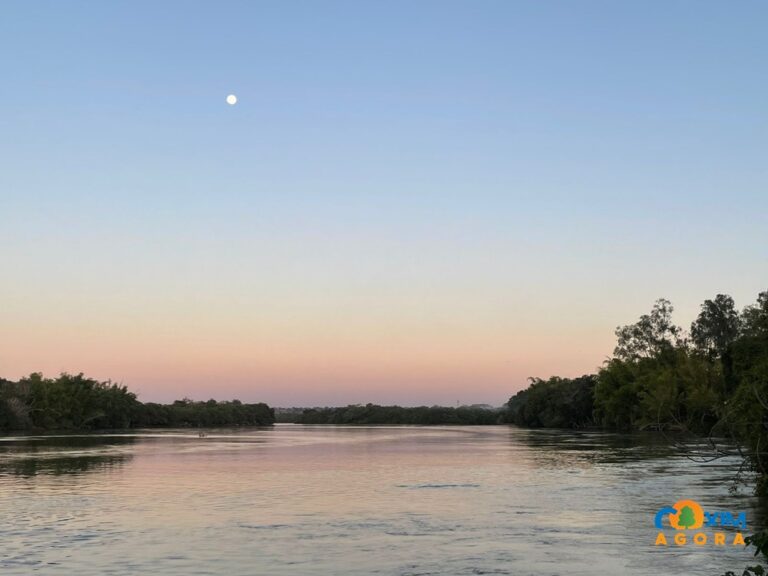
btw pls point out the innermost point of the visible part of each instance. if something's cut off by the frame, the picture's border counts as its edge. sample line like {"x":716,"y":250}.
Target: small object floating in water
{"x":202,"y":435}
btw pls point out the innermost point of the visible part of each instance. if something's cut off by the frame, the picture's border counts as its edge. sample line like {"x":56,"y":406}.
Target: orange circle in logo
{"x":690,"y":515}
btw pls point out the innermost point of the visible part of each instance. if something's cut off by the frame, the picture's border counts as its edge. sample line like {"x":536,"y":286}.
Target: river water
{"x":323,"y":500}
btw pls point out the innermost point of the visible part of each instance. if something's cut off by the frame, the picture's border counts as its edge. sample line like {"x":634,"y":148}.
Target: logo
{"x":687,"y":516}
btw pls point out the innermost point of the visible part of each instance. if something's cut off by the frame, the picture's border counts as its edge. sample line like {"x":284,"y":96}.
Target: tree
{"x":717,"y":326}
{"x":651,"y":336}
{"x":755,"y":317}
{"x":616,"y":395}
{"x":686,"y":518}
{"x":554,"y":403}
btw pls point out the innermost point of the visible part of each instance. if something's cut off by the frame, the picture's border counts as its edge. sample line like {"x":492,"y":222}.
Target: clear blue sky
{"x":411,"y":201}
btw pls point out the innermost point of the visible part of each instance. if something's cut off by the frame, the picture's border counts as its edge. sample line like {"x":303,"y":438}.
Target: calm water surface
{"x":299,"y":500}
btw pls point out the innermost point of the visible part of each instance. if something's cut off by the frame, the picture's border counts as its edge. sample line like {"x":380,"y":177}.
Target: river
{"x":324,"y":500}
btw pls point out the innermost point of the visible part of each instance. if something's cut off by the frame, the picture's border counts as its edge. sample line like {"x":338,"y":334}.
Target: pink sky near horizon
{"x":480,"y":355}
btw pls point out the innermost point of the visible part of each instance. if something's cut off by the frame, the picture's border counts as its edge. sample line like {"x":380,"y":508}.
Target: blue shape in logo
{"x":666,"y":511}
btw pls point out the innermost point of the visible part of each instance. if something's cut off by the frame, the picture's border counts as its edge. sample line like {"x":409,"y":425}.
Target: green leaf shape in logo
{"x":686,"y":519}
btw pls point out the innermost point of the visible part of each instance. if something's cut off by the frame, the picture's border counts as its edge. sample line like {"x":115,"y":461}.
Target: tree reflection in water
{"x":61,"y":455}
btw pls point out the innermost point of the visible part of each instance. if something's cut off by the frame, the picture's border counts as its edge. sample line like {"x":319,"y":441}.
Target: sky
{"x":411,"y":202}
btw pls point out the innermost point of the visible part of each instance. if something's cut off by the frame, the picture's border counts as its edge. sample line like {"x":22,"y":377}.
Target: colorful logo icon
{"x":686,"y":515}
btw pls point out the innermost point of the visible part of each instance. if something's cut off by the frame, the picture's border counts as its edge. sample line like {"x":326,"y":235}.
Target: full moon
{"x":231,"y":99}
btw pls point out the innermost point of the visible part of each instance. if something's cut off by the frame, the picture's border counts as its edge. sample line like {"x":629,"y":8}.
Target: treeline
{"x":206,"y":414}
{"x":421,"y":415}
{"x":554,"y":403}
{"x":74,"y":402}
{"x":712,"y":378}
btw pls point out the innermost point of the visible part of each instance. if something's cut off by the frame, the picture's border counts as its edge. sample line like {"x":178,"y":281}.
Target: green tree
{"x":554,"y":403}
{"x":686,"y":517}
{"x":755,"y":317}
{"x":653,"y":334}
{"x":717,"y":326}
{"x":617,"y":395}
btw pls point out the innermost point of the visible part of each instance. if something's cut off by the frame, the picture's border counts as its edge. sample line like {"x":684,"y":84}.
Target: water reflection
{"x":563,"y":448}
{"x":60,"y":455}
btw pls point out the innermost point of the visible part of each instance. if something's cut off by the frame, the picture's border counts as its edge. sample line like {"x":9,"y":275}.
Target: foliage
{"x":677,"y":389}
{"x":655,"y":380}
{"x":717,"y":326}
{"x":66,"y":402}
{"x":748,"y":571}
{"x":759,"y":541}
{"x":652,"y":335}
{"x":74,"y":402}
{"x":206,"y":414}
{"x":554,"y":403}
{"x":421,"y":415}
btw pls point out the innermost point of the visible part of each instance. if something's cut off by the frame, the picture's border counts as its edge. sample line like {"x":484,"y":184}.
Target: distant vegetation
{"x":74,"y":402}
{"x":422,"y":415}
{"x":711,"y":379}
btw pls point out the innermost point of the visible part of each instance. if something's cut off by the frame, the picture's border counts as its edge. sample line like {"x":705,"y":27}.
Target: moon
{"x":231,"y":99}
